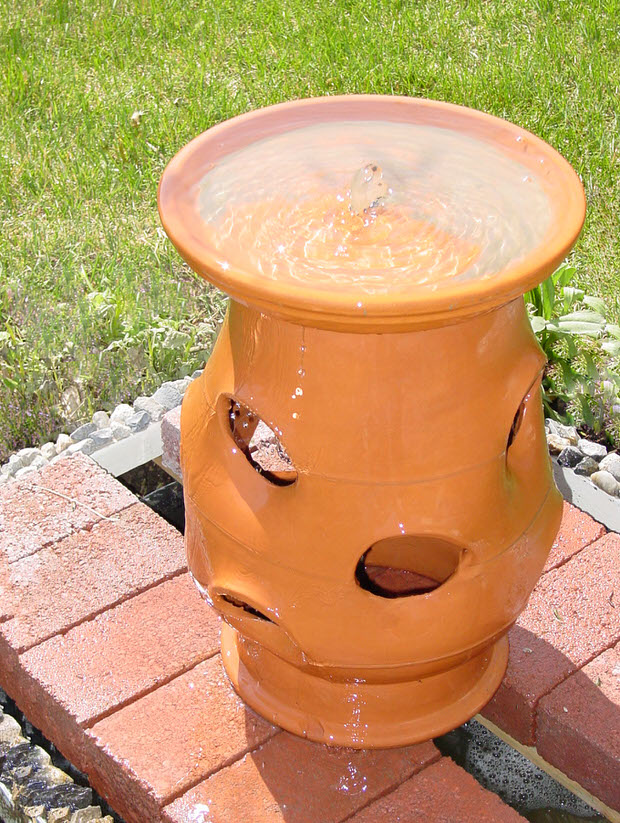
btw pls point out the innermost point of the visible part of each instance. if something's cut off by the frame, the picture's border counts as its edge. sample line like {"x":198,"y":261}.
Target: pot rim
{"x":303,"y":303}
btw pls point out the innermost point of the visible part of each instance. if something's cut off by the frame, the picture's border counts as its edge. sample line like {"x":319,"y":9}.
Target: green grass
{"x":83,"y":262}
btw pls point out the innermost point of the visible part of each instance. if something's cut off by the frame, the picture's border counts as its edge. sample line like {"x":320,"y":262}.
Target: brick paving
{"x":121,"y":670}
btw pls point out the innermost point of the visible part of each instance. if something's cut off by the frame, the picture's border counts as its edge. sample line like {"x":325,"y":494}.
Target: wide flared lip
{"x":398,"y":309}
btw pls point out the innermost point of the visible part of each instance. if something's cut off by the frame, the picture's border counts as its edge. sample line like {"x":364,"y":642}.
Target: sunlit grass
{"x":83,"y":263}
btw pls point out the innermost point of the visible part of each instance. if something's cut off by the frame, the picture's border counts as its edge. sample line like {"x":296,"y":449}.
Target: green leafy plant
{"x":581,"y":384}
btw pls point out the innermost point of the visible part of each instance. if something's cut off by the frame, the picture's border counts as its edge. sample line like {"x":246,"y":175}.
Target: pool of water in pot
{"x":373,"y":206}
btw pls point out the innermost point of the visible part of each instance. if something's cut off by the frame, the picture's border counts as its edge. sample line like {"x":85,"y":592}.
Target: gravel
{"x":590,"y":449}
{"x":82,"y":432}
{"x":557,"y":444}
{"x":120,"y":431}
{"x":607,"y":482}
{"x":102,"y":437}
{"x":63,"y":442}
{"x":566,"y":432}
{"x":149,"y":405}
{"x":86,"y":446}
{"x":611,"y":464}
{"x":138,"y":421}
{"x":121,"y":413}
{"x":168,"y":396}
{"x":586,"y":467}
{"x":101,"y":419}
{"x":48,"y":450}
{"x":570,"y":457}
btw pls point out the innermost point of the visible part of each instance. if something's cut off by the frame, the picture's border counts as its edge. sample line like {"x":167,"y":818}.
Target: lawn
{"x":95,"y":97}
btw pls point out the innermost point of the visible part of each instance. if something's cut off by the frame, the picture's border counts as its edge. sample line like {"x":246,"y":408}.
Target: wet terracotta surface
{"x":380,"y":463}
{"x":135,"y":778}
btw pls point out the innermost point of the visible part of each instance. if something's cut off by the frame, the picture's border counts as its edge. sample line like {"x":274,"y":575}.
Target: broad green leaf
{"x":596,"y":303}
{"x":571,"y":295}
{"x":586,"y":411}
{"x":591,"y":369}
{"x":580,"y":327}
{"x":611,"y":347}
{"x":548,"y":297}
{"x":570,"y":376}
{"x":613,"y":330}
{"x":584,"y":315}
{"x":564,"y":275}
{"x":538,"y":323}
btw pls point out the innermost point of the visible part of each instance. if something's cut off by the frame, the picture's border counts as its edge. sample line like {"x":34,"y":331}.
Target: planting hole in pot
{"x":259,"y":444}
{"x":242,"y":605}
{"x":516,"y":423}
{"x":407,"y":565}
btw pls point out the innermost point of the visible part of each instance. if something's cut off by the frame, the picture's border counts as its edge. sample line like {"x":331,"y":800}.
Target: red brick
{"x":577,"y":531}
{"x":443,"y":793}
{"x":153,"y":750}
{"x":7,"y":592}
{"x":72,"y":580}
{"x":569,"y":620}
{"x":72,"y":680}
{"x":294,"y":780}
{"x":31,"y":517}
{"x":171,"y":441}
{"x":578,"y":727}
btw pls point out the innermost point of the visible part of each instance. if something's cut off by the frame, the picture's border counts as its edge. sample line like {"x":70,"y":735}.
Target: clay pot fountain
{"x":375,"y":250}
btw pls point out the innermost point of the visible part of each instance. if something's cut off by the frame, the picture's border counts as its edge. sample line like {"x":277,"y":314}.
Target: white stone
{"x":120,"y":431}
{"x":121,"y":413}
{"x":39,"y":462}
{"x":606,"y":481}
{"x":101,"y":419}
{"x":102,"y":437}
{"x":48,"y":450}
{"x":63,"y":441}
{"x":611,"y":464}
{"x":82,"y":432}
{"x":27,"y":455}
{"x":147,"y":404}
{"x":8,"y":469}
{"x":168,"y":396}
{"x":182,"y":384}
{"x":25,"y":471}
{"x":556,"y":444}
{"x":13,"y":466}
{"x":138,"y":421}
{"x":567,"y":432}
{"x":86,"y":446}
{"x":590,"y":449}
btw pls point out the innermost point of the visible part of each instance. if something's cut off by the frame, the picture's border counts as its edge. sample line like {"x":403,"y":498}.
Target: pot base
{"x":361,"y":715}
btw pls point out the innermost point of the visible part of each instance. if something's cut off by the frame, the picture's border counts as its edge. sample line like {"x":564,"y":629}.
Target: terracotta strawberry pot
{"x":375,"y":250}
